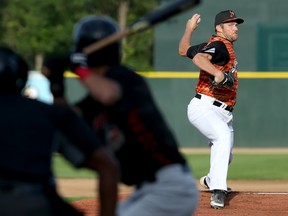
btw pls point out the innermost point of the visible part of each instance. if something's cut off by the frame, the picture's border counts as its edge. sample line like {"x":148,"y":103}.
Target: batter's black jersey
{"x":137,"y":132}
{"x":27,"y":129}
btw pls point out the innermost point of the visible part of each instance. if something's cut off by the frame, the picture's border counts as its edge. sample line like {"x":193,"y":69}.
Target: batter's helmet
{"x":91,"y":29}
{"x":13,"y":71}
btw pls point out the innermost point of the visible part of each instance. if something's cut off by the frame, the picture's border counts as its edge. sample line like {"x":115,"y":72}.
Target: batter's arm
{"x":104,"y":90}
{"x":184,"y":43}
{"x":107,"y":167}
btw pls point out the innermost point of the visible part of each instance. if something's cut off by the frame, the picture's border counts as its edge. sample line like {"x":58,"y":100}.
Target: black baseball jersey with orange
{"x":27,"y":129}
{"x":137,"y":131}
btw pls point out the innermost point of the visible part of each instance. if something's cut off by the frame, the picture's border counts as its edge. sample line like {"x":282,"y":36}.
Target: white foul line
{"x":273,"y":193}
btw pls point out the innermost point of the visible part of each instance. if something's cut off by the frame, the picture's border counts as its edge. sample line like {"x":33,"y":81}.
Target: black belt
{"x":217,"y":103}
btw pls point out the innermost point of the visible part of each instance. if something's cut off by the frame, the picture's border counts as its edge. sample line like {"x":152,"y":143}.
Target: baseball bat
{"x":158,"y":15}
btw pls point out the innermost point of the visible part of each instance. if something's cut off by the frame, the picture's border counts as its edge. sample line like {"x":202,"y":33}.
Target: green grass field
{"x":244,"y":167}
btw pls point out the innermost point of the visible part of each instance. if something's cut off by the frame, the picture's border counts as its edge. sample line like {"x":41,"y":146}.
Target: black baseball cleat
{"x":204,"y":184}
{"x":217,"y":200}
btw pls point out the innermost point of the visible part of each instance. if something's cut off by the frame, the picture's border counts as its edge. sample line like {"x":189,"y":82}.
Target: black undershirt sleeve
{"x":218,"y":51}
{"x":193,"y":50}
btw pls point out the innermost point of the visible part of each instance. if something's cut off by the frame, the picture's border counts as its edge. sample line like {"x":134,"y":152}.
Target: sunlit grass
{"x":244,"y":166}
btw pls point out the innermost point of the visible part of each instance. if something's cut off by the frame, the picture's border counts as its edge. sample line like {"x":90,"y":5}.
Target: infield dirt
{"x":249,"y":198}
{"x":87,"y":187}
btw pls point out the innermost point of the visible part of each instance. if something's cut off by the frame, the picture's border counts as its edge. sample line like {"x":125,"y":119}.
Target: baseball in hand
{"x":199,"y":20}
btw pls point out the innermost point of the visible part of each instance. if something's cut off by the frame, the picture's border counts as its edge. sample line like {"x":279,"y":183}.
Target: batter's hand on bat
{"x":78,"y":60}
{"x":79,"y":65}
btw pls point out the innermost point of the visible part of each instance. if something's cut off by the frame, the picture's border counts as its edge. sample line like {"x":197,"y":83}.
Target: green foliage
{"x":138,"y":49}
{"x":141,"y":58}
{"x":36,"y":28}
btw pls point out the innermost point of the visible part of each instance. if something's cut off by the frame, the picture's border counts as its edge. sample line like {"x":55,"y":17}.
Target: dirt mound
{"x":249,"y":198}
{"x":237,"y":203}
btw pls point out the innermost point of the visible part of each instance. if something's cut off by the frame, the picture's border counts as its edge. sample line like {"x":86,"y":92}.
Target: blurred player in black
{"x":27,"y":185}
{"x":121,"y":108}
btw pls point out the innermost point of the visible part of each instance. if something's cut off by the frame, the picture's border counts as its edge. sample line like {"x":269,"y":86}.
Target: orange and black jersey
{"x":223,"y":58}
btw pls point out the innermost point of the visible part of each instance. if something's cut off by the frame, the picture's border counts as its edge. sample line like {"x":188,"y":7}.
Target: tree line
{"x":37,"y":29}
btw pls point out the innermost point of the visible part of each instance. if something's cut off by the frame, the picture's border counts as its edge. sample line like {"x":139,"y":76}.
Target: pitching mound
{"x":238,"y":203}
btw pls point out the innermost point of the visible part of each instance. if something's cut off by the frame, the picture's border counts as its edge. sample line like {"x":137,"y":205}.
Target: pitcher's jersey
{"x":223,"y":58}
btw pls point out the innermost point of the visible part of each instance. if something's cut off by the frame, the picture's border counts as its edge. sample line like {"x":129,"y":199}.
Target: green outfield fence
{"x":260,"y":115}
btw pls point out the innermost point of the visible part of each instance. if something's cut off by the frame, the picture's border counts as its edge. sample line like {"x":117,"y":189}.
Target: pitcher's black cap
{"x":227,"y":16}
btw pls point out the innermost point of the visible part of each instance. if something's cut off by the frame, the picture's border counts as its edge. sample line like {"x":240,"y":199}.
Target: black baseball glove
{"x":229,"y":79}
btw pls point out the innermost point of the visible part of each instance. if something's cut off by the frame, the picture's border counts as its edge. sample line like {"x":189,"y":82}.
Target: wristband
{"x":83,"y":72}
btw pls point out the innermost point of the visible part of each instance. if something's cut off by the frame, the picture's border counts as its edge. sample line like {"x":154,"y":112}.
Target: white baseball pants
{"x":215,"y":123}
